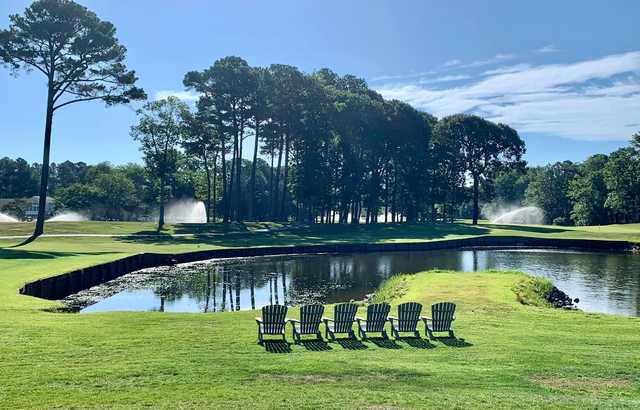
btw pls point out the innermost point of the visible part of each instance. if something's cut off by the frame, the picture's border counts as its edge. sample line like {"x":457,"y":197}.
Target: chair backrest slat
{"x":408,"y":316}
{"x":377,"y":316}
{"x":344,"y":315}
{"x":442,"y":315}
{"x":310,"y":318}
{"x":273,"y":317}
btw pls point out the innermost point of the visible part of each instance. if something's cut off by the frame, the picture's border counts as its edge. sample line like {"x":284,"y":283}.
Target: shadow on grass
{"x":22,"y":254}
{"x":384,"y":343}
{"x":316,"y":345}
{"x":213,"y":234}
{"x":417,"y":343}
{"x":276,"y":346}
{"x":351,"y":344}
{"x":454,"y":342}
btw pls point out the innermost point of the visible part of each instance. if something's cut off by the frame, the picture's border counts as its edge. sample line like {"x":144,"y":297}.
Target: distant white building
{"x":34,"y":202}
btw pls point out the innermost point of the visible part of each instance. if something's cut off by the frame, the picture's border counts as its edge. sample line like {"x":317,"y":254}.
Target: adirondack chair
{"x":309,"y":323}
{"x":376,"y":318}
{"x":272,"y":322}
{"x":442,"y":314}
{"x":407,"y":320}
{"x":343,"y":317}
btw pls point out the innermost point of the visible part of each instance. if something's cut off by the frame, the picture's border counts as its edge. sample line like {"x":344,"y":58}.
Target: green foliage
{"x":160,"y":130}
{"x":588,"y":191}
{"x":77,"y":51}
{"x":17,"y":179}
{"x":482,"y":147}
{"x":549,"y":188}
{"x":391,"y":289}
{"x":622,"y":178}
{"x":533,"y":291}
{"x":80,"y":57}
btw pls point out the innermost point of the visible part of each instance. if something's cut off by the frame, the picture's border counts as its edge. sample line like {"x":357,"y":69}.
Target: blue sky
{"x":565,"y":74}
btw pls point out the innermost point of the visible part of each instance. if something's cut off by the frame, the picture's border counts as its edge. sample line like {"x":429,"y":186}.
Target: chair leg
{"x":451,"y":335}
{"x":319,"y":335}
{"x":430,"y":334}
{"x":352,"y":334}
{"x":416,"y":334}
{"x":384,"y":334}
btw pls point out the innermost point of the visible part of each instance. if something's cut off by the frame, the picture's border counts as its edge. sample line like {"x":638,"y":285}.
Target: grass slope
{"x":512,"y":355}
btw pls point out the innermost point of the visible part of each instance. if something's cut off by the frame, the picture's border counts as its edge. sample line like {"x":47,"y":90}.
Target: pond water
{"x":604,"y":282}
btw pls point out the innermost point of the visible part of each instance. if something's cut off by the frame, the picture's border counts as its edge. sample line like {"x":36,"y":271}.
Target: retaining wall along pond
{"x":63,"y":285}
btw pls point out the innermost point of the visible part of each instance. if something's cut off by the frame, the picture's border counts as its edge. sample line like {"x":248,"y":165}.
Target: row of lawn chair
{"x":274,"y":319}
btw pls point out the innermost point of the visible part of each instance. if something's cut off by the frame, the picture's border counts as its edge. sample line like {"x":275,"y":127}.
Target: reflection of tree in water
{"x":293,"y":280}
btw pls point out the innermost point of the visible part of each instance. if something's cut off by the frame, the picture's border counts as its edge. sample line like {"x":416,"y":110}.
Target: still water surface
{"x":604,"y":282}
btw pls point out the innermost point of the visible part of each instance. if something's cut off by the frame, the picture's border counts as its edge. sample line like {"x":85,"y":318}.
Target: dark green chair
{"x":376,"y":319}
{"x":344,"y":315}
{"x":442,"y":315}
{"x":407,"y":320}
{"x":309,"y":323}
{"x":272,"y":323}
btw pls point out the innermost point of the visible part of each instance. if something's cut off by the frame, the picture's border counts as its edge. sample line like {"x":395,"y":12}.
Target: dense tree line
{"x":601,"y":190}
{"x":337,"y":151}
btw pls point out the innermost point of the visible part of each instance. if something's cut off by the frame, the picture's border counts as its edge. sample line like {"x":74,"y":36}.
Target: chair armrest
{"x":360,"y":319}
{"x":391,"y":318}
{"x":258,"y":320}
{"x":327,"y":319}
{"x":292,"y":320}
{"x":424,"y":318}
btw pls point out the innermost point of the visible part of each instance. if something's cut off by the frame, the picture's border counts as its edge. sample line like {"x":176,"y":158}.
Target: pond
{"x":604,"y":282}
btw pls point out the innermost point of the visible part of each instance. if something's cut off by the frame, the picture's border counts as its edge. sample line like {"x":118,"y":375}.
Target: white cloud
{"x":452,"y":63}
{"x":443,"y":79}
{"x":584,"y":100}
{"x":401,"y":76}
{"x":498,"y":58}
{"x":549,"y":48}
{"x":182,"y":95}
{"x":508,"y":69}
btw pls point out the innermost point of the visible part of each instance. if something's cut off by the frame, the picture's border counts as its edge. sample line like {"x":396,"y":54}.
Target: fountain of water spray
{"x":528,"y":215}
{"x":6,"y":218}
{"x":68,"y":217}
{"x":185,"y":211}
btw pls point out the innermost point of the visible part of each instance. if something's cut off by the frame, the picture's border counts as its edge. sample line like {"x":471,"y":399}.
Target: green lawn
{"x":512,"y":355}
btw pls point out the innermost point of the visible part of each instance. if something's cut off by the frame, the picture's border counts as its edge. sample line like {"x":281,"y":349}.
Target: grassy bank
{"x":507,"y":355}
{"x":511,"y":355}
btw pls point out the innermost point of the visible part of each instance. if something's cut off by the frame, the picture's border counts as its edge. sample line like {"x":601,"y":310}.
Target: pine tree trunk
{"x":252,"y":198}
{"x":215,"y":186}
{"x":286,"y":177}
{"x":274,"y":212}
{"x":44,"y":174}
{"x":231,"y":190}
{"x":161,"y":216}
{"x":208,"y":176}
{"x":225,"y":198}
{"x":475,"y":199}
